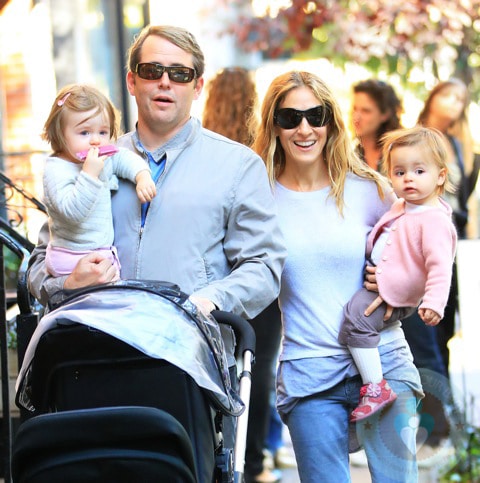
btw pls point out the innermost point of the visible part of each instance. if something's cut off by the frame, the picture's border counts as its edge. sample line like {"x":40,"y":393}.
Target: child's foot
{"x":373,"y":397}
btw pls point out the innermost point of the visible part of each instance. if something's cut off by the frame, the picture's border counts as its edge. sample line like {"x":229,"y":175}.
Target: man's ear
{"x":198,"y":86}
{"x":130,"y":79}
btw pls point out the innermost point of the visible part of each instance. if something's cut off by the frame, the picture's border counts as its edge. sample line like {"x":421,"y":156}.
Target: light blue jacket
{"x":212,"y":228}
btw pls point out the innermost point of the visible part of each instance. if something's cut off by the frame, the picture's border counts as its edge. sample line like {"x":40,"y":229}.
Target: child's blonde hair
{"x":77,"y":98}
{"x":429,"y":138}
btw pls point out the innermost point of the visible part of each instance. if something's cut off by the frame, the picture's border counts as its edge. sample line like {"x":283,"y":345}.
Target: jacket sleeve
{"x":439,"y":245}
{"x":253,"y":245}
{"x":40,"y":283}
{"x":70,"y":197}
{"x":127,"y":164}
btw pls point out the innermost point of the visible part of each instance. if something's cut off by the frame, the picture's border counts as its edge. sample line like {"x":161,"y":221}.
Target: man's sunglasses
{"x":154,"y":71}
{"x":289,"y":118}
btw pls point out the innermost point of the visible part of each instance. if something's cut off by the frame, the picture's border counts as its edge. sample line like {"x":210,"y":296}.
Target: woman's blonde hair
{"x":77,"y":98}
{"x":340,"y":156}
{"x":430,"y":139}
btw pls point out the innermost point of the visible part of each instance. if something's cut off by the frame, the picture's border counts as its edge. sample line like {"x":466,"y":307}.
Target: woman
{"x":328,"y":200}
{"x":375,"y":111}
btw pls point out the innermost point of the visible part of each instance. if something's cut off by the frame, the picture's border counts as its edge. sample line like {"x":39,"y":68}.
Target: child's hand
{"x":374,"y":306}
{"x":429,"y":316}
{"x":146,"y":190}
{"x":93,"y":163}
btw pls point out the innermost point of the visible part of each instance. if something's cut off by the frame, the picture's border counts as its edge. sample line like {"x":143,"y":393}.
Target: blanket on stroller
{"x":155,"y":318}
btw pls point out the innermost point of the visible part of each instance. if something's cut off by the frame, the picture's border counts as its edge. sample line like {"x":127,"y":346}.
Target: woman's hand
{"x":371,"y":279}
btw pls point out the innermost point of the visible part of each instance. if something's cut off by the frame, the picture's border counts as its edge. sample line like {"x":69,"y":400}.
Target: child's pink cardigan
{"x":416,"y":263}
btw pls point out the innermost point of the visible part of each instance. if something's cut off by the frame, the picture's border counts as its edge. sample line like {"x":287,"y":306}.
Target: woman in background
{"x":376,"y":110}
{"x":231,"y":101}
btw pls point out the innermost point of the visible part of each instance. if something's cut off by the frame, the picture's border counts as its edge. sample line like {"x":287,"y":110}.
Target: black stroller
{"x":128,"y":382}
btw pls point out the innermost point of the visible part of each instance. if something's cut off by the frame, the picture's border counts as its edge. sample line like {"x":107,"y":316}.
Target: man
{"x":212,"y":228}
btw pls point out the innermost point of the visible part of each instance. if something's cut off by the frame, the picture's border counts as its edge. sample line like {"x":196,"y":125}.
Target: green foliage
{"x":12,"y":333}
{"x":11,"y":264}
{"x":465,"y":467}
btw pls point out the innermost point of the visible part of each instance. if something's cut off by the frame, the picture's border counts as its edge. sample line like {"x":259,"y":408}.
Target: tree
{"x":395,"y":35}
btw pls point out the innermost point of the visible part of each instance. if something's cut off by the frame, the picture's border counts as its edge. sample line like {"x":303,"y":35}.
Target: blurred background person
{"x":376,"y":109}
{"x":231,"y":110}
{"x":231,"y":103}
{"x":446,"y":110}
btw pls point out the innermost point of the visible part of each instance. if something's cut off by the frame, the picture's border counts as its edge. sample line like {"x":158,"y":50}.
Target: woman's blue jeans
{"x":319,"y":429}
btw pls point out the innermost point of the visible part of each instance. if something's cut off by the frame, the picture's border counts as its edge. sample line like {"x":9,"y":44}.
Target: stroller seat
{"x":103,"y":445}
{"x":77,"y":367}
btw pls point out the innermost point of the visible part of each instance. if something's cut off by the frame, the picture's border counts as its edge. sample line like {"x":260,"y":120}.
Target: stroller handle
{"x":243,"y":330}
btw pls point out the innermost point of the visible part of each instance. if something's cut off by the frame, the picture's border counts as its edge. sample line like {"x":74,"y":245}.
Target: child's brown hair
{"x":77,"y":98}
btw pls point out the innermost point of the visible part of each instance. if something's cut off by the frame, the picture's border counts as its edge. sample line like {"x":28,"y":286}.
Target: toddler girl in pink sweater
{"x":413,"y":248}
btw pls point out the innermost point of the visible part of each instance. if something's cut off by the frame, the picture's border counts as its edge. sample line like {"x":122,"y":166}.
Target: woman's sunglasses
{"x":289,"y":118}
{"x":154,"y":71}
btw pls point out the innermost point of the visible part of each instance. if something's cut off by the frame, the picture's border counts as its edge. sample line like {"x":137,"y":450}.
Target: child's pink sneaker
{"x":373,"y":397}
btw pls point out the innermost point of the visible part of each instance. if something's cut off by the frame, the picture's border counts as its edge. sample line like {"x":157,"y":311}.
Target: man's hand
{"x":204,"y":305}
{"x":92,"y":269}
{"x":429,"y":317}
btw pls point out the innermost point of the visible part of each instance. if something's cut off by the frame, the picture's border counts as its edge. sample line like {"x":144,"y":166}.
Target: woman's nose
{"x":304,"y":126}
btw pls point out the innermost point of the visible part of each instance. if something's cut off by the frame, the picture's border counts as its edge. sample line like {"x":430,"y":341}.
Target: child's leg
{"x":361,"y":335}
{"x":358,"y":330}
{"x":375,"y":393}
{"x":368,"y":363}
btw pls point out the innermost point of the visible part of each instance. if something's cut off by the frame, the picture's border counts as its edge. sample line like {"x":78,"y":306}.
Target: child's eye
{"x":420,"y":171}
{"x":84,"y":133}
{"x":398,"y":173}
{"x":104,"y":133}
